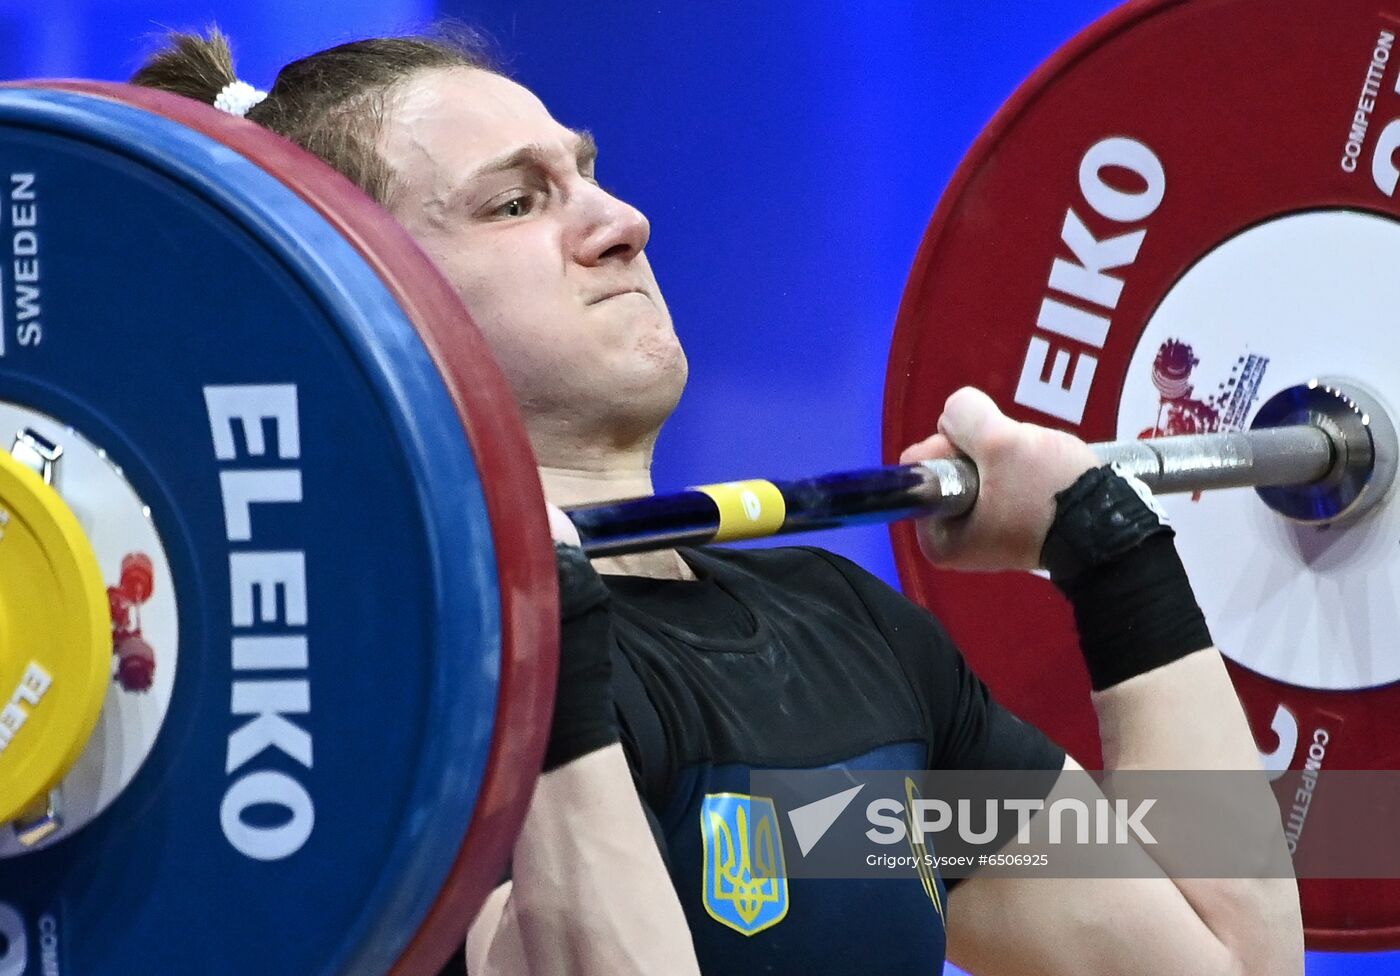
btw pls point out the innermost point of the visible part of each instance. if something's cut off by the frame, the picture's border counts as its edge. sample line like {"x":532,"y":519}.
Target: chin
{"x":671,"y":371}
{"x":649,"y":395}
{"x":658,"y":395}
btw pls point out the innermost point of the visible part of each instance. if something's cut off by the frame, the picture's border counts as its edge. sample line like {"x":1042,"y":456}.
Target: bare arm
{"x":1180,"y":715}
{"x":590,"y":894}
{"x":1186,"y":716}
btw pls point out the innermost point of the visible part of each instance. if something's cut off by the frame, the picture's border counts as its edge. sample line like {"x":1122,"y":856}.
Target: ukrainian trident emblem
{"x":745,"y":881}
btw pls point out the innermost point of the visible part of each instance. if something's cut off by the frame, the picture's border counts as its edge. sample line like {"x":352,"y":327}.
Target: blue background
{"x":789,"y":155}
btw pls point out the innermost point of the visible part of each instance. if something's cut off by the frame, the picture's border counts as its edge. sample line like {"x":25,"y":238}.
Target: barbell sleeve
{"x":1294,"y":455}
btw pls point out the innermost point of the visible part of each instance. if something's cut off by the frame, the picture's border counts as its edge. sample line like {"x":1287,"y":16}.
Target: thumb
{"x":928,"y":449}
{"x":969,"y":416}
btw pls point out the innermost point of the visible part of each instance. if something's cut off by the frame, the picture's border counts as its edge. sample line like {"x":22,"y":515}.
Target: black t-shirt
{"x":794,"y":658}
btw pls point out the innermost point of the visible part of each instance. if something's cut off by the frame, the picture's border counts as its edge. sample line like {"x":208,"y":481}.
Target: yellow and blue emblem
{"x":745,"y":879}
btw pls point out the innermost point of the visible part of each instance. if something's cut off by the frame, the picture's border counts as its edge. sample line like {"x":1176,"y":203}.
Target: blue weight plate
{"x":291,"y":817}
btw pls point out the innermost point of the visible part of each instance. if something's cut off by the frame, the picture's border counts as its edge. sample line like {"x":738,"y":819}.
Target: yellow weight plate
{"x":55,"y":638}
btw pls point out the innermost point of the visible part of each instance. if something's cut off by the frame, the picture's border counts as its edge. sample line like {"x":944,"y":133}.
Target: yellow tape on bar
{"x":747,"y":509}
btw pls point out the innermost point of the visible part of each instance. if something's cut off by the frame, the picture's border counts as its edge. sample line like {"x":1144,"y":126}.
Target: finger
{"x":942,"y":539}
{"x":561,"y":527}
{"x":969,"y":416}
{"x":928,"y":449}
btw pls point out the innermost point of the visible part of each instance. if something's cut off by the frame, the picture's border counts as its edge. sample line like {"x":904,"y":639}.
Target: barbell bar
{"x":1330,"y":457}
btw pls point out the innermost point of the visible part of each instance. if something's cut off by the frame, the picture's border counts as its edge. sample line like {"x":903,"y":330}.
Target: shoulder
{"x":793,"y":565}
{"x":810,"y":573}
{"x":823,"y":568}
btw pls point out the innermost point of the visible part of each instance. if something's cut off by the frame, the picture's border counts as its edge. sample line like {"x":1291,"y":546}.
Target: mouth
{"x":618,"y":293}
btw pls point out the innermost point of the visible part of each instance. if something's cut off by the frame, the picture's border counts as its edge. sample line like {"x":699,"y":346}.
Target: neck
{"x":577,"y":486}
{"x":567,"y":486}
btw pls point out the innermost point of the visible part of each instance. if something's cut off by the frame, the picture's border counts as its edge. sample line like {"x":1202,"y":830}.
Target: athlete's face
{"x":550,"y":265}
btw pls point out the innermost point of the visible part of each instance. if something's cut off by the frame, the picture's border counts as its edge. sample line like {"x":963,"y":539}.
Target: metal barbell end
{"x":1364,"y":435}
{"x":1318,"y":452}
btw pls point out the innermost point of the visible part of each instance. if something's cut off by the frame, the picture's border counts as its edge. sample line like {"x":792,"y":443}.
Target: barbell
{"x":297,"y":681}
{"x":1320,"y":452}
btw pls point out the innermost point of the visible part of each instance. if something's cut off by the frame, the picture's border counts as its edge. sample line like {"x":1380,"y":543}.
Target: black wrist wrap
{"x":1114,"y":559}
{"x":584,"y":718}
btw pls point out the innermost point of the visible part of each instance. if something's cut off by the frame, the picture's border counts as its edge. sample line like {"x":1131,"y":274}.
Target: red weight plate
{"x":1189,"y":208}
{"x":529,"y":610}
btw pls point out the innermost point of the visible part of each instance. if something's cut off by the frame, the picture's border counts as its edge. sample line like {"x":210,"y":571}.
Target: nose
{"x":609,"y":229}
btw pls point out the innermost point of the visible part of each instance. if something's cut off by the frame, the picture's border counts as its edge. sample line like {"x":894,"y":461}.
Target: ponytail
{"x":193,"y":66}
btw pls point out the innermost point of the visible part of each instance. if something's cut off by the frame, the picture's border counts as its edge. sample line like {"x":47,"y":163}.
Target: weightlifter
{"x":684,"y":670}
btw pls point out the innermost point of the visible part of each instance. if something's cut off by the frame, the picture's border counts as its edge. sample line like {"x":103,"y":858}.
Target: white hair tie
{"x":237,"y":97}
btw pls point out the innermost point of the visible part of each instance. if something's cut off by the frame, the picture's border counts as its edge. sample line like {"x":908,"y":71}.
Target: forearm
{"x":1183,"y":715}
{"x":1186,"y":716}
{"x":590,"y":893}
